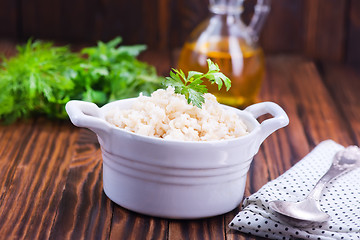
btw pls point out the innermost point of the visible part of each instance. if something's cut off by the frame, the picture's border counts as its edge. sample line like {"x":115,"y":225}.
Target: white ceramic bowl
{"x":176,"y":179}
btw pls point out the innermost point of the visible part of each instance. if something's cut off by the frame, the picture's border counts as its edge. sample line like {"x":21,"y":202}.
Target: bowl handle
{"x":87,"y":114}
{"x":268,"y":126}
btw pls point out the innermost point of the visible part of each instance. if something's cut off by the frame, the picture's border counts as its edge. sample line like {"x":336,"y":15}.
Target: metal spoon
{"x":307,"y":213}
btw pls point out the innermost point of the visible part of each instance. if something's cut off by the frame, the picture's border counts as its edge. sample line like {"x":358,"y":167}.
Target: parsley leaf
{"x":42,"y":77}
{"x":191,"y":86}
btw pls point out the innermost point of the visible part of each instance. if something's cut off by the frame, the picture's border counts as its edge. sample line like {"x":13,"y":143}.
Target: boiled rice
{"x":167,"y":115}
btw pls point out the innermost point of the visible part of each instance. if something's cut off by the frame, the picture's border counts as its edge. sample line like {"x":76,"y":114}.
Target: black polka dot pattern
{"x":340,"y":199}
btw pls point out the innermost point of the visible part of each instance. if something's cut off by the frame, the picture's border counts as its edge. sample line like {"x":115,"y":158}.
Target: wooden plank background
{"x":321,"y":29}
{"x":51,"y":171}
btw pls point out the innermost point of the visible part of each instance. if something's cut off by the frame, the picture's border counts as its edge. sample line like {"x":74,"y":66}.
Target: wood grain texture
{"x":84,"y":211}
{"x":185,"y":17}
{"x":210,"y":228}
{"x":89,"y":21}
{"x":322,"y":29}
{"x":325,"y":29}
{"x":130,"y":225}
{"x":9,"y":19}
{"x":40,"y":23}
{"x":284,"y":29}
{"x":7,"y":48}
{"x":35,"y":161}
{"x":51,"y":171}
{"x":353,"y":49}
{"x":341,"y":82}
{"x":160,"y":60}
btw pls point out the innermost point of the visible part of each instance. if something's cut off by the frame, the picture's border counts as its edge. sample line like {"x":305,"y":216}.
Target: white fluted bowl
{"x":175,"y":179}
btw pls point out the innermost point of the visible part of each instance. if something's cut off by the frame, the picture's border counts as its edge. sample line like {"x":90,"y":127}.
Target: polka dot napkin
{"x":340,"y":199}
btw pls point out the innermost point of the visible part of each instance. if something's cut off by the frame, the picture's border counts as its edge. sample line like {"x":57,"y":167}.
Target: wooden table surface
{"x":51,"y":171}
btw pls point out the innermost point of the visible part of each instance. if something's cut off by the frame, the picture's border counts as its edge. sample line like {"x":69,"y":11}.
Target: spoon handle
{"x":344,"y":161}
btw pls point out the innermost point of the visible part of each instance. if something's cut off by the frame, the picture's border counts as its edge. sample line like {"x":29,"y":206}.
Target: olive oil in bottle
{"x":245,"y":69}
{"x":227,"y":41}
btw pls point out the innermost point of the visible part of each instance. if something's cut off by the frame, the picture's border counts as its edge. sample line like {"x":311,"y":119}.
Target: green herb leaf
{"x":42,"y":77}
{"x":191,"y":86}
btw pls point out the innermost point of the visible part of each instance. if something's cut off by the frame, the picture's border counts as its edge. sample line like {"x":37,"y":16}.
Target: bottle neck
{"x":226,"y":7}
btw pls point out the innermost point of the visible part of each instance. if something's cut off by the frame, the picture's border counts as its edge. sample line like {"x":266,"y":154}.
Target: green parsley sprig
{"x":43,"y":77}
{"x":191,"y":85}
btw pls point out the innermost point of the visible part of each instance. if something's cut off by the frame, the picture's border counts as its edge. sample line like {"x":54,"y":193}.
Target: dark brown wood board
{"x":321,"y":29}
{"x":51,"y":171}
